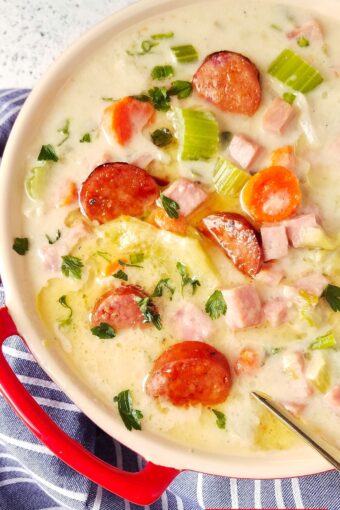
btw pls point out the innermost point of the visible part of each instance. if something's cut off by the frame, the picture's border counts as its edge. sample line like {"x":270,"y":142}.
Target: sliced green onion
{"x":303,"y":42}
{"x":291,"y":69}
{"x":197,"y":132}
{"x":323,"y":342}
{"x":164,"y":35}
{"x":289,"y":97}
{"x":185,"y":53}
{"x":162,"y":72}
{"x":228,"y":179}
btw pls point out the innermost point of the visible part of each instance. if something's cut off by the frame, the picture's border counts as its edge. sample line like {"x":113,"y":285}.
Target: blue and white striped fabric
{"x":31,"y":478}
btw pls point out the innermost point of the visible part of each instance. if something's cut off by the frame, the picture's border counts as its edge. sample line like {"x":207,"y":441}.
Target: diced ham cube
{"x":192,"y":323}
{"x":314,"y":284}
{"x":311,"y":30}
{"x":295,"y":408}
{"x":187,"y":194}
{"x":270,"y":274}
{"x":278,"y":116}
{"x":51,"y":254}
{"x":244,"y":151}
{"x":333,"y":398}
{"x":276,"y":311}
{"x":295,"y":226}
{"x":274,"y":242}
{"x":244,"y":307}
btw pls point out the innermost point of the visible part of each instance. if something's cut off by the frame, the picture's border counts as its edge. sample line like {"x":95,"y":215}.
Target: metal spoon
{"x":329,"y":452}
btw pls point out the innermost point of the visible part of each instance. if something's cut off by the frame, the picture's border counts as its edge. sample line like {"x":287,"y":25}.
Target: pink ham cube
{"x":187,"y":194}
{"x":244,"y":307}
{"x":278,"y":116}
{"x":296,"y":226}
{"x":311,"y":30}
{"x":244,"y":151}
{"x":274,"y":242}
{"x":314,"y":284}
{"x":192,"y":323}
{"x":276,"y":311}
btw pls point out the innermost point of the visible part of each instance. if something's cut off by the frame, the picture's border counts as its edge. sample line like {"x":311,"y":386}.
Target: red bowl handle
{"x":142,"y":488}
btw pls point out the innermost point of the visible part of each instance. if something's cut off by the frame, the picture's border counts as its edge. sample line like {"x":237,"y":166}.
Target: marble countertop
{"x":33,"y":33}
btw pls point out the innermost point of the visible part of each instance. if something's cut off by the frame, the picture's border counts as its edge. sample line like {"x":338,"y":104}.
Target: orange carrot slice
{"x":284,"y":156}
{"x":71,"y":194}
{"x":247,"y":361}
{"x":272,"y":195}
{"x":114,"y":266}
{"x":160,"y":219}
{"x":130,"y":116}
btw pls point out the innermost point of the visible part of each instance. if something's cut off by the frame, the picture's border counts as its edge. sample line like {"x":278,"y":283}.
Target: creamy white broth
{"x":109,"y":366}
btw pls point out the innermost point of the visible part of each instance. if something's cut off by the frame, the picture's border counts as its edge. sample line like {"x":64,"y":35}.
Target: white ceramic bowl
{"x":20,"y":301}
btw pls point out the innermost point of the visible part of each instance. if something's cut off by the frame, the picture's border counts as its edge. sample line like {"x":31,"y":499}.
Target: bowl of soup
{"x":170,"y":230}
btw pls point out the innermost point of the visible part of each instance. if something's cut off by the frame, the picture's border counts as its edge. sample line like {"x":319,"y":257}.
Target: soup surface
{"x":181,"y":223}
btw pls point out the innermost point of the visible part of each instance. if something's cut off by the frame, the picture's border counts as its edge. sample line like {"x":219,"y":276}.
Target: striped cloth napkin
{"x":31,"y":478}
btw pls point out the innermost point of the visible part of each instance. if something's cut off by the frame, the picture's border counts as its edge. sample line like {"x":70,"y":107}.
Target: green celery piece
{"x":36,"y":181}
{"x":324,"y":342}
{"x":228,"y":179}
{"x":294,"y":71}
{"x":197,"y":133}
{"x":185,"y":53}
{"x":317,"y":372}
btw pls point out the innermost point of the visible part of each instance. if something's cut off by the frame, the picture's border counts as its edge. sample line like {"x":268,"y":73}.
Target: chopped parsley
{"x":186,"y":279}
{"x":216,"y":306}
{"x":56,"y":238}
{"x":121,"y":275}
{"x":86,"y":138}
{"x":289,"y":97}
{"x":68,"y":320}
{"x":162,"y":72}
{"x":160,"y":98}
{"x":103,"y":331}
{"x":332,"y":296}
{"x":47,"y":153}
{"x":21,"y":245}
{"x":72,"y":266}
{"x":144,"y":98}
{"x":164,"y":35}
{"x":130,"y":416}
{"x":162,"y":285}
{"x":149,"y":311}
{"x":170,"y":206}
{"x":221,"y":420}
{"x":180,"y":88}
{"x":303,"y":42}
{"x":161,"y":137}
{"x":65,"y":130}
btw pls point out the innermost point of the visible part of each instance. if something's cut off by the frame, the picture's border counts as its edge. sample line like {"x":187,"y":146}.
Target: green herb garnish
{"x":170,"y":206}
{"x":68,"y":320}
{"x":103,"y":331}
{"x":47,"y":153}
{"x":159,"y":98}
{"x":289,"y":97}
{"x":221,"y":420}
{"x":21,"y":245}
{"x":162,"y":285}
{"x":149,"y":312}
{"x":303,"y":42}
{"x":185,"y":53}
{"x":108,"y":99}
{"x":180,"y":88}
{"x":57,"y":237}
{"x":86,"y":138}
{"x":216,"y":306}
{"x":186,"y":279}
{"x":162,"y":72}
{"x":332,"y":296}
{"x":72,"y":266}
{"x":161,"y":137}
{"x":323,"y":342}
{"x":164,"y":35}
{"x":121,"y":275}
{"x":65,"y":130}
{"x":130,"y":416}
{"x":144,"y":98}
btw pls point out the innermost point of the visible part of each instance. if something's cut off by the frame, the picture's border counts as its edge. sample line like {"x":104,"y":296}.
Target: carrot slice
{"x":71,"y":194}
{"x":247,"y":361}
{"x":114,"y":266}
{"x":160,"y":219}
{"x":130,"y":116}
{"x":284,"y":156}
{"x":272,"y":195}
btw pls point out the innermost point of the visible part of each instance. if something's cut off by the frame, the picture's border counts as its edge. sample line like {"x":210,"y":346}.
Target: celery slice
{"x":323,"y":342}
{"x":317,"y":372}
{"x":36,"y":181}
{"x":295,"y":72}
{"x":197,"y":132}
{"x":228,"y":179}
{"x":185,"y":53}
